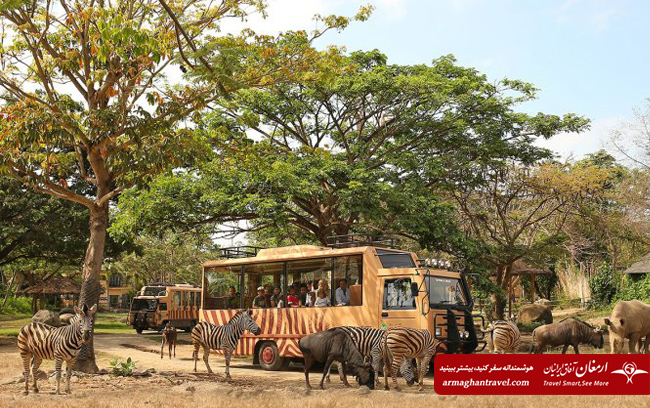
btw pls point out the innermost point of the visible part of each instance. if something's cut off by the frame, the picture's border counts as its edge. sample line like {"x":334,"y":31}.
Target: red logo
{"x":542,"y":374}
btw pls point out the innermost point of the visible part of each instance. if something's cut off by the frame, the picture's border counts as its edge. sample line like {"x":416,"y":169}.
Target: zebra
{"x":369,"y":343}
{"x":405,"y":343}
{"x":503,"y":336}
{"x":225,"y":338}
{"x":38,"y":341}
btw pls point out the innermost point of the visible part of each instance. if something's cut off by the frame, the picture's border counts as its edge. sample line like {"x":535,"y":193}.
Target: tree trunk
{"x":91,"y":288}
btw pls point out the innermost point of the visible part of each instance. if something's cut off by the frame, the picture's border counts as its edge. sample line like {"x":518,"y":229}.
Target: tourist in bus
{"x":268,"y":293}
{"x":260,"y":300}
{"x":233,"y":298}
{"x":323,"y":284}
{"x":343,"y":293}
{"x":305,"y":298}
{"x":292,"y":299}
{"x":322,"y":300}
{"x":277,"y":300}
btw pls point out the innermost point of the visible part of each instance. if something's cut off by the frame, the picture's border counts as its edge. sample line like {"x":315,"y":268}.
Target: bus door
{"x":398,"y":305}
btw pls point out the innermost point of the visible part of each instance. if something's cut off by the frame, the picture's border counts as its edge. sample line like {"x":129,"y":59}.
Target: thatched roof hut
{"x":54,"y":286}
{"x":642,"y":266}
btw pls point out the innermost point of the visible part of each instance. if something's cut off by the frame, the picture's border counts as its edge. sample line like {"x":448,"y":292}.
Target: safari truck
{"x":385,"y":287}
{"x":157,"y":304}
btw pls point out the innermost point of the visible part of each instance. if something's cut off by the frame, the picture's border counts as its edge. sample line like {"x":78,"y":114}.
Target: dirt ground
{"x":174,"y":385}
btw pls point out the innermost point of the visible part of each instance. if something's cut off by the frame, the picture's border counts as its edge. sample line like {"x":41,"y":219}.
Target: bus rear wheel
{"x":269,"y":357}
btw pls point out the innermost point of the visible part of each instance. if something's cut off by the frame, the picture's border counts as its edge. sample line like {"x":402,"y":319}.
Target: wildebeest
{"x":567,"y":332}
{"x":335,"y":345}
{"x":629,"y":320}
{"x":170,"y":337}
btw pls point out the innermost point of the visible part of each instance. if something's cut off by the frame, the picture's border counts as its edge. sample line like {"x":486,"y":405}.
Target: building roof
{"x":642,"y":266}
{"x":522,"y":268}
{"x":54,"y":286}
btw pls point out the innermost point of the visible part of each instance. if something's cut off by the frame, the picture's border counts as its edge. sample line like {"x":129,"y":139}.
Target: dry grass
{"x":250,"y":388}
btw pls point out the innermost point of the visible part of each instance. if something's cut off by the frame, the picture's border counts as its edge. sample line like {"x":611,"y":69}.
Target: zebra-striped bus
{"x":158,"y":304}
{"x":367,"y":285}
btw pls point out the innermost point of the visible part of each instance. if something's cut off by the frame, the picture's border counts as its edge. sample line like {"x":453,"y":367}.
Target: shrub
{"x":636,"y":289}
{"x":529,"y":327}
{"x":603,"y":287}
{"x":123,"y":368}
{"x":17,"y":305}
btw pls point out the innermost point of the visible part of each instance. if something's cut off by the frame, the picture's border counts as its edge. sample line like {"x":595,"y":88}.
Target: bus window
{"x":192,"y":304}
{"x":393,"y":259}
{"x":397,"y":294}
{"x":310,"y":272}
{"x":176,"y":295}
{"x":221,"y":286}
{"x":198,"y":300}
{"x":267,"y":276}
{"x":348,"y":269}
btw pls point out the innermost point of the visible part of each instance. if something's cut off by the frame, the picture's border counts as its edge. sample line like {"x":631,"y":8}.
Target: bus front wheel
{"x":269,"y":357}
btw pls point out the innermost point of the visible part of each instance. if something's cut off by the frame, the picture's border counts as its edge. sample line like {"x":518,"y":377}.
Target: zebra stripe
{"x":504,"y":336}
{"x":369,"y":342}
{"x":224,"y":338}
{"x":37,"y":342}
{"x":405,"y":343}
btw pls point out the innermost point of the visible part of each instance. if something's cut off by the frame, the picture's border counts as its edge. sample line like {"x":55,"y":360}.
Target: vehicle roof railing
{"x":358,"y":240}
{"x":243,"y":251}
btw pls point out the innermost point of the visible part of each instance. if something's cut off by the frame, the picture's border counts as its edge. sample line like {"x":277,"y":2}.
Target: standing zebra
{"x":369,"y":342}
{"x":405,"y":343}
{"x":225,"y":338}
{"x":38,"y":341}
{"x":504,"y":336}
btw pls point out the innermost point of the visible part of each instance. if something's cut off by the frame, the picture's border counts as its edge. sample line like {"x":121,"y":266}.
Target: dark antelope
{"x":169,"y":336}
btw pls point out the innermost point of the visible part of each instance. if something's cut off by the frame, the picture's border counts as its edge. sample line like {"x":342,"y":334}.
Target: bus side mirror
{"x":414,"y":289}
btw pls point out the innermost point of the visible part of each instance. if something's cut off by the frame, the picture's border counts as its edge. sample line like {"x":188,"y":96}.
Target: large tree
{"x":368,"y":150}
{"x":519,"y":212}
{"x":87,"y":100}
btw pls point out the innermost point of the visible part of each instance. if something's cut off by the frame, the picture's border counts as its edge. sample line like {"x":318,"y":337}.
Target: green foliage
{"x":17,"y":305}
{"x":171,"y":257}
{"x":369,"y":150}
{"x":529,"y":327}
{"x":604,"y":286}
{"x":122,"y":368}
{"x":638,"y":289}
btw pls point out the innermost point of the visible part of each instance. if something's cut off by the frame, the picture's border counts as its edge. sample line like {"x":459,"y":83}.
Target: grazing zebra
{"x":504,"y":336}
{"x":225,"y":338}
{"x":38,"y":341}
{"x":405,"y":343}
{"x":369,"y":343}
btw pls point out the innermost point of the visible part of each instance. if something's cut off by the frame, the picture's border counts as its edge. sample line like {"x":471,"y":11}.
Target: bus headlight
{"x":466,"y":334}
{"x":438,"y":332}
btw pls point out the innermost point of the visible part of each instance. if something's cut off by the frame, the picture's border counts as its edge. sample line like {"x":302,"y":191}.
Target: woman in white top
{"x":321,"y":299}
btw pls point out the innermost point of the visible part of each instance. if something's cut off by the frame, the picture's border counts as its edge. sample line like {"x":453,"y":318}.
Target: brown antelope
{"x":169,"y":336}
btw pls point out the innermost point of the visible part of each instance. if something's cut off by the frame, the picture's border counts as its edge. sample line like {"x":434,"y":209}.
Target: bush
{"x":17,"y":305}
{"x":529,"y":327}
{"x":636,"y":289}
{"x":123,"y":368}
{"x":603,"y":287}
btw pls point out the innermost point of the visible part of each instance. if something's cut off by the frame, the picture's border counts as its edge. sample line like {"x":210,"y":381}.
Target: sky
{"x":589,"y":57}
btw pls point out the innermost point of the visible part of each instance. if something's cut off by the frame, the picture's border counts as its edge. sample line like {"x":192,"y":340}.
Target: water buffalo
{"x":567,"y":332}
{"x":629,"y":320}
{"x":335,"y":345}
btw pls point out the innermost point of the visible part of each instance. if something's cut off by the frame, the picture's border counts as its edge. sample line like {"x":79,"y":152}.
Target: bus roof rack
{"x":357,"y":240}
{"x":244,"y":251}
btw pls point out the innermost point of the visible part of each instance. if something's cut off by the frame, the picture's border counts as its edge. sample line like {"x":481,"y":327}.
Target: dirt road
{"x":250,"y":387}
